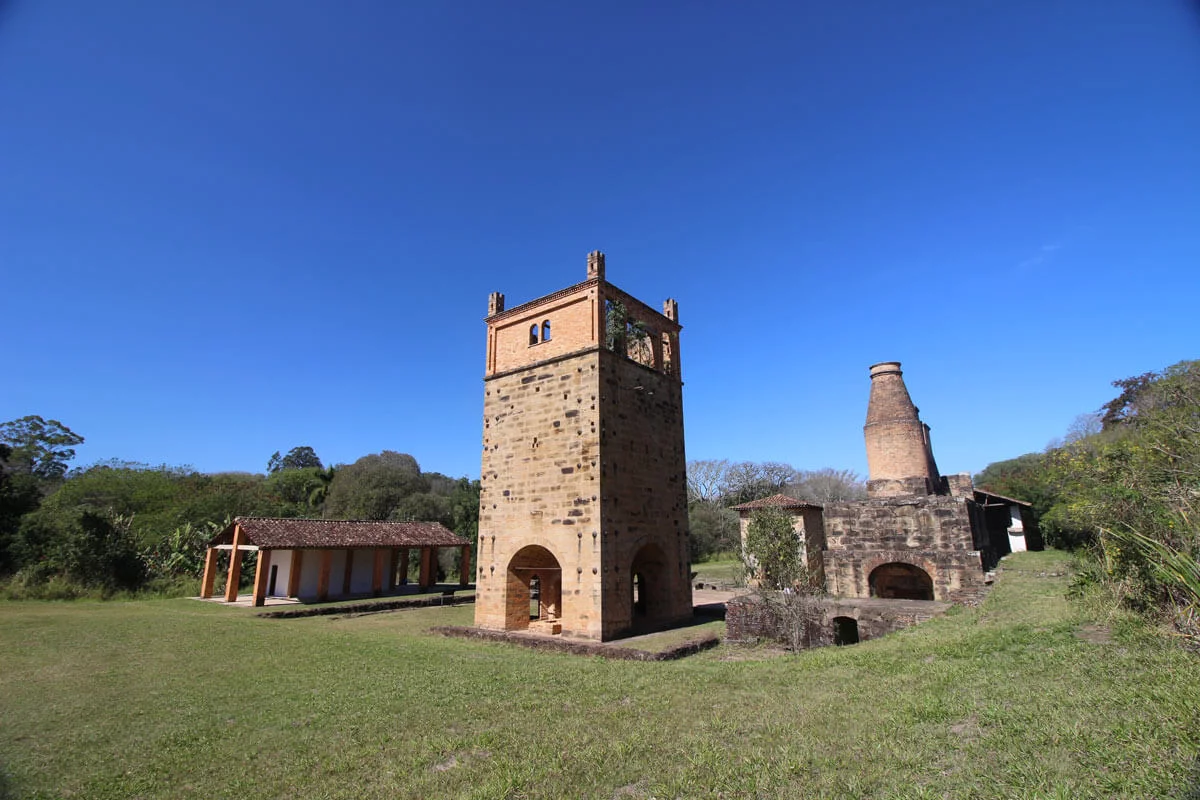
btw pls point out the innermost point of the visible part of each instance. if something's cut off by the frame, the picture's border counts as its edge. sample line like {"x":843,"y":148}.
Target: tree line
{"x":1124,"y":486}
{"x":120,"y":525}
{"x":716,"y":485}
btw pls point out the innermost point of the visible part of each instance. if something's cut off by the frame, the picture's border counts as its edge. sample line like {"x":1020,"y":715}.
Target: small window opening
{"x":546,"y":331}
{"x":533,"y":334}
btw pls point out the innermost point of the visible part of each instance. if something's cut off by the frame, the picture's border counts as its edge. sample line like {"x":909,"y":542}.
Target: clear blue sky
{"x":233,"y":228}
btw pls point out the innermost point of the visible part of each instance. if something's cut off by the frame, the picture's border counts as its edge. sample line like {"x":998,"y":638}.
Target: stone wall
{"x":934,"y":533}
{"x":583,"y":468}
{"x":540,"y":482}
{"x":643,"y":481}
{"x":748,"y":618}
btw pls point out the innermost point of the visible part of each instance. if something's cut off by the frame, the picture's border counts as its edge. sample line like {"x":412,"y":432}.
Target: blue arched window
{"x":546,"y":331}
{"x":533,"y":334}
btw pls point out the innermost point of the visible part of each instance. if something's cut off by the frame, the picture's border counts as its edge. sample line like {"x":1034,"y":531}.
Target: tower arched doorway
{"x":533,"y":573}
{"x":900,"y":581}
{"x":650,"y":592}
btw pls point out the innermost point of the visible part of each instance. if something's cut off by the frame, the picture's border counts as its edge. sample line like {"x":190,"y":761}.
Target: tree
{"x":827,"y":485}
{"x":374,"y":486}
{"x":1124,"y":407}
{"x":39,"y":447}
{"x":296,"y":458}
{"x":772,"y":549}
{"x":786,"y":589}
{"x":714,"y":529}
{"x":706,"y":480}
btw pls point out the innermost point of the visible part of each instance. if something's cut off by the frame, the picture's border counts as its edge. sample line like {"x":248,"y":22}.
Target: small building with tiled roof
{"x":774,"y":501}
{"x":322,"y":559}
{"x":807,"y":522}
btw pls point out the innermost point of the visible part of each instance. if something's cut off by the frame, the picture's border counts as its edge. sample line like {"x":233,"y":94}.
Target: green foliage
{"x":1023,"y":478}
{"x":39,"y":447}
{"x":622,"y":332}
{"x":296,"y":458}
{"x":772,"y":549}
{"x":87,"y":548}
{"x":297,"y":486}
{"x":374,"y":486}
{"x":714,"y":529}
{"x":1133,"y":490}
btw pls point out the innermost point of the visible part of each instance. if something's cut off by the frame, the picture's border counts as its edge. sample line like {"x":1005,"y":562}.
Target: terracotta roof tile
{"x":775,"y":501}
{"x":275,"y":533}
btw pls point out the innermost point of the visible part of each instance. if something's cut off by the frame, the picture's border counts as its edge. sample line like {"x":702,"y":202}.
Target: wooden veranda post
{"x":293,"y":589}
{"x":347,"y":572}
{"x":426,"y":578}
{"x":261,"y":571}
{"x":381,"y":560}
{"x":210,"y":573}
{"x":235,"y":565}
{"x":323,"y":576}
{"x":464,"y":571}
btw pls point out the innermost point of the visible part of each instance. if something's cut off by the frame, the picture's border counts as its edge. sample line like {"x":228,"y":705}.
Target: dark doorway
{"x":271,"y":582}
{"x":648,"y":584}
{"x":845,"y":631}
{"x":899,"y":581}
{"x":534,"y":588}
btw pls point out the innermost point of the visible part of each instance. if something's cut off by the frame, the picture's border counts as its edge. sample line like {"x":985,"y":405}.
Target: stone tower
{"x":583,"y":524}
{"x":899,"y":453}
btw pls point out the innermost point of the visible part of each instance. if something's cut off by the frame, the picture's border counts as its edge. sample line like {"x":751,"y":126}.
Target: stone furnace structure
{"x":919,"y":535}
{"x":583,"y":526}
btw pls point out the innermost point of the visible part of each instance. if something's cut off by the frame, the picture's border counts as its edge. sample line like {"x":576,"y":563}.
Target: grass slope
{"x":183,"y":699}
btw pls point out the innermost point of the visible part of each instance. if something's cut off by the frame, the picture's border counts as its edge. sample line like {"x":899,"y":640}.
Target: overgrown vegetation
{"x":783,"y":583}
{"x":1125,"y":487}
{"x":1026,"y":697}
{"x":716,"y":485}
{"x":118,"y":527}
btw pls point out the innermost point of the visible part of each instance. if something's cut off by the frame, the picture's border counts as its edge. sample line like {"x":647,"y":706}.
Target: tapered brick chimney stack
{"x":899,"y":455}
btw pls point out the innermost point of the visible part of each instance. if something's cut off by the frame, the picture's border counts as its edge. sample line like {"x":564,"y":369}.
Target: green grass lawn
{"x":724,"y":571}
{"x":1022,"y":698}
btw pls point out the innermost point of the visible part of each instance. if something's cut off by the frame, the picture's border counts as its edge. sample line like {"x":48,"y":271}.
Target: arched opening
{"x":534,"y":590}
{"x":535,"y":597}
{"x":533,"y":334}
{"x":898,"y":581}
{"x":546,"y":331}
{"x":649,"y":589}
{"x":845,"y":631}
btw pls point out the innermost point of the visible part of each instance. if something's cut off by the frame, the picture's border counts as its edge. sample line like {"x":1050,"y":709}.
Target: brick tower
{"x":899,"y":453}
{"x":583,"y":525}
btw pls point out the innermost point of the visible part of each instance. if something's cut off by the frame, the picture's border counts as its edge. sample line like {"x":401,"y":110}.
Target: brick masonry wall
{"x":933,"y":533}
{"x":583,"y":456}
{"x":747,"y":618}
{"x":643,"y":493}
{"x":574,"y":326}
{"x":540,"y":484}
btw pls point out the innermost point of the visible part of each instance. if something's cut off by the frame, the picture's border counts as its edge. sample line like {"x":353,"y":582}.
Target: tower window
{"x":533,"y":334}
{"x":546,"y":331}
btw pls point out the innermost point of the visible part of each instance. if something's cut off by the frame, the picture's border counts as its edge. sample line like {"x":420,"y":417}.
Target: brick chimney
{"x":899,"y":455}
